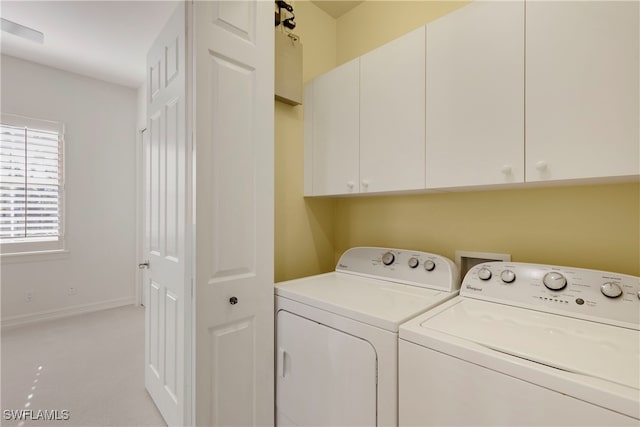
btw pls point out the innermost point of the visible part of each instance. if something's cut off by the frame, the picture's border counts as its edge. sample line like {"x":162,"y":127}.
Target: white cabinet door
{"x":475,"y":96}
{"x":332,"y":131}
{"x":392,"y":116}
{"x":582,"y":89}
{"x":325,"y":377}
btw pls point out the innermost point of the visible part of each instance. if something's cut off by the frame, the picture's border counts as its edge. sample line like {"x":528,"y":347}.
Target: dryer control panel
{"x":409,"y":267}
{"x":600,"y":296}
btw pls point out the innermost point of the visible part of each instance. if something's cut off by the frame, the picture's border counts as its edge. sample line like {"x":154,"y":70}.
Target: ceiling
{"x":107,"y":40}
{"x":336,"y":8}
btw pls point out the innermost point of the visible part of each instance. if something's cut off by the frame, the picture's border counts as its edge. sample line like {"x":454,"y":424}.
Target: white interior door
{"x":234,"y":61}
{"x":168,"y":299}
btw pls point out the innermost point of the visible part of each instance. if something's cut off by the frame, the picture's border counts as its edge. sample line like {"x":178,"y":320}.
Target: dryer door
{"x":323,"y":376}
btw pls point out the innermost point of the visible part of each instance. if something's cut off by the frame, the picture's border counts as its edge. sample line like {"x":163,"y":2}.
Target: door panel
{"x":325,"y":377}
{"x":582,"y":85}
{"x":392,"y":117}
{"x":475,"y":96}
{"x":233,"y":236}
{"x":233,"y":389}
{"x":335,"y":130}
{"x":167,"y":352}
{"x":234,"y":212}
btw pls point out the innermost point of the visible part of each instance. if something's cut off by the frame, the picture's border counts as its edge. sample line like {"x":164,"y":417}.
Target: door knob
{"x":143,"y":265}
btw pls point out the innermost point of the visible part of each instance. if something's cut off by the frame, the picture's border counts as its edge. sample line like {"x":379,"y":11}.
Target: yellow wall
{"x":596,"y":226}
{"x":374,"y":23}
{"x":303,"y":228}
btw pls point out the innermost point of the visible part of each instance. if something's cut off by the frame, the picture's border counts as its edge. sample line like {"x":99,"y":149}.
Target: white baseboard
{"x":26,"y":319}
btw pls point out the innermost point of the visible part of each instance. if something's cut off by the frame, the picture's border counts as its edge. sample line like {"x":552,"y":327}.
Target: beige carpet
{"x":90,"y":365}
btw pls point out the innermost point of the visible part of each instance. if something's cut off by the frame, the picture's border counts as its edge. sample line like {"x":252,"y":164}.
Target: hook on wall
{"x":289,"y":21}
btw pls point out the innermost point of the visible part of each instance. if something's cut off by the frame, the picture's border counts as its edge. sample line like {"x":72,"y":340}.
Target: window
{"x":31,"y":185}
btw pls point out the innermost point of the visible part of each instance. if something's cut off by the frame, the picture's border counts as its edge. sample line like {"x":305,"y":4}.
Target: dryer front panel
{"x":323,"y":376}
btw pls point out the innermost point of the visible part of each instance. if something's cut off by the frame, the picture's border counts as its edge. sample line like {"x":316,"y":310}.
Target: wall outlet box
{"x":466,"y":260}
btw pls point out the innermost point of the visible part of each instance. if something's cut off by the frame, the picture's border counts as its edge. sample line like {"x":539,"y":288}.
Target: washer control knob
{"x":554,"y":281}
{"x":388,"y":258}
{"x":429,"y":265}
{"x":413,"y":262}
{"x":508,"y":276}
{"x":484,"y":273}
{"x":611,"y":290}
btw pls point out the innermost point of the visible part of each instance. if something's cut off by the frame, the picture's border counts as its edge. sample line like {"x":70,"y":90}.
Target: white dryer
{"x":526,"y":344}
{"x":337,"y":335}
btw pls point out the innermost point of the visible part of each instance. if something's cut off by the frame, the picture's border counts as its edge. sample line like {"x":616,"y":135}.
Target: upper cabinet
{"x":494,"y":93}
{"x":475,"y":96}
{"x":582,"y":77}
{"x":332,"y":132}
{"x":392,"y":105}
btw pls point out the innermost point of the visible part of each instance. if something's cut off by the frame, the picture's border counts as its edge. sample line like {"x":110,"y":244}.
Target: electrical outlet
{"x":28,"y":296}
{"x":72,"y":291}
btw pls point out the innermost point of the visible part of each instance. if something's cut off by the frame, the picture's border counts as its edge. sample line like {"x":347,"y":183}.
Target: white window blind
{"x":30,"y":182}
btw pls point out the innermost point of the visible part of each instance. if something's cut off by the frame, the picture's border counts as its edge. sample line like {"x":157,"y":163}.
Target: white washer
{"x":337,"y":335}
{"x":525,"y":344}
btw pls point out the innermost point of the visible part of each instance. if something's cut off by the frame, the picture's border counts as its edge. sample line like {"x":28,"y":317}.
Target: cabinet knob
{"x":351,"y":184}
{"x":506,"y":170}
{"x":542,"y":165}
{"x":365,"y":183}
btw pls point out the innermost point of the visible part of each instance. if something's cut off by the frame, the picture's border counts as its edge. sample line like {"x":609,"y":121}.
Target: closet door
{"x":392,"y":116}
{"x":582,"y":89}
{"x":475,"y":96}
{"x":233,"y":221}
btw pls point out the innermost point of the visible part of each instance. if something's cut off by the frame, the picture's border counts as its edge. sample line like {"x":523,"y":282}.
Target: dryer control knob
{"x":484,"y":273}
{"x":429,"y":265}
{"x":414,"y":262}
{"x":508,"y":276}
{"x":554,"y":281}
{"x":388,"y":258}
{"x":611,"y":290}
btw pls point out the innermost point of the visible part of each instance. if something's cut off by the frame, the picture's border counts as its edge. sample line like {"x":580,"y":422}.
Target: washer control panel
{"x":601,"y":296}
{"x":415,"y":268}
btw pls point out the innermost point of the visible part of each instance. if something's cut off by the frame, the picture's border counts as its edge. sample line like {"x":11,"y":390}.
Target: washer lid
{"x":375,"y":302}
{"x":607,"y":352}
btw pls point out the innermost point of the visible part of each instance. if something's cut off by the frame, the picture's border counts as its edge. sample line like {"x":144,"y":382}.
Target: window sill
{"x":36,"y":256}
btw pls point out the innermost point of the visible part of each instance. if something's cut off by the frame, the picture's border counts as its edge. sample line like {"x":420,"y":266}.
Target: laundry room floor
{"x":91,"y":365}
